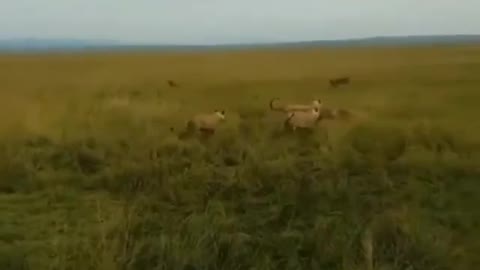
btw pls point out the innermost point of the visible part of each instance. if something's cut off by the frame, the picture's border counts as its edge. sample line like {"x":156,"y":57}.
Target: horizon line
{"x":153,"y":43}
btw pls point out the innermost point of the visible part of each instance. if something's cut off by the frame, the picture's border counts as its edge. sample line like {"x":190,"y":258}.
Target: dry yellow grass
{"x":77,"y":128}
{"x":404,"y":84}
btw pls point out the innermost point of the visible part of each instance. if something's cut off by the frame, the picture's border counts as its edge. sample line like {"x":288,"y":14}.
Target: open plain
{"x":92,"y":177}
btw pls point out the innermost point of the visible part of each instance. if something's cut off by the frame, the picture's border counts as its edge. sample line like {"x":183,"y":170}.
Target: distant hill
{"x":36,"y":45}
{"x":33,"y":44}
{"x":391,"y":41}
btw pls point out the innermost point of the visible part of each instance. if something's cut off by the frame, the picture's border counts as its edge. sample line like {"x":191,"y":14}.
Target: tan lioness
{"x":206,"y":122}
{"x":302,"y":119}
{"x":317,"y":103}
{"x":328,"y":113}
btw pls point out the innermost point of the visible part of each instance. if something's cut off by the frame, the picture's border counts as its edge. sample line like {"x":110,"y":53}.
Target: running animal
{"x":329,"y":113}
{"x":302,"y":119}
{"x":172,"y":83}
{"x":288,"y":108}
{"x":206,"y":123}
{"x":339,"y":81}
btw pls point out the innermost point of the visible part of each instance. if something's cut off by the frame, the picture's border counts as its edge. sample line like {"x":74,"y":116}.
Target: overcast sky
{"x":233,"y":21}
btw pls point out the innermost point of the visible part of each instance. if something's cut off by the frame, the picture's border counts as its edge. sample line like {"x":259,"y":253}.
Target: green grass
{"x":92,"y":178}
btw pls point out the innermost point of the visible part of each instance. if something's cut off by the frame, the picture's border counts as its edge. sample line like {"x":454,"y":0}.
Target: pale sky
{"x":234,"y":21}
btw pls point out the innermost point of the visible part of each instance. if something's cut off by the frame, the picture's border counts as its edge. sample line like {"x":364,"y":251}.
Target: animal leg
{"x":207,"y":132}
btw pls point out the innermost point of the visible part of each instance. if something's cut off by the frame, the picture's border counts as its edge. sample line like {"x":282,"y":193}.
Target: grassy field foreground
{"x":92,"y":178}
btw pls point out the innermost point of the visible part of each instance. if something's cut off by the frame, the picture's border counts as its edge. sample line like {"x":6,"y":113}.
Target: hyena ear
{"x":223,"y":112}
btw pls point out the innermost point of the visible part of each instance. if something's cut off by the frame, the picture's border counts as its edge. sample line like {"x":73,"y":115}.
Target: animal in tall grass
{"x":331,"y":113}
{"x":302,"y":119}
{"x":288,"y":108}
{"x":205,"y":123}
{"x":335,"y":82}
{"x":171,"y":83}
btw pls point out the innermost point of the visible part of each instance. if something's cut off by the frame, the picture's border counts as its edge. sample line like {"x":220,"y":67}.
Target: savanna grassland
{"x":91,"y":177}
